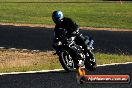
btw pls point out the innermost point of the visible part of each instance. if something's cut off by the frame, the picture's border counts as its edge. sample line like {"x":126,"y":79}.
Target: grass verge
{"x":17,"y":60}
{"x":112,"y":58}
{"x":48,"y":0}
{"x":110,"y":15}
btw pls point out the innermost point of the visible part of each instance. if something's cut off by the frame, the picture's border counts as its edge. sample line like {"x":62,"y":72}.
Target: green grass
{"x":48,"y":0}
{"x":110,"y":15}
{"x":19,"y":61}
{"x":112,"y":58}
{"x":31,"y":68}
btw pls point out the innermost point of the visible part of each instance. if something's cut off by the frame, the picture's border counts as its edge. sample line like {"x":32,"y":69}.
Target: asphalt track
{"x":61,"y":79}
{"x":40,"y":38}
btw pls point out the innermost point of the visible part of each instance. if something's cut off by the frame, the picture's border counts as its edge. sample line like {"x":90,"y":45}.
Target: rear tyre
{"x":90,"y":62}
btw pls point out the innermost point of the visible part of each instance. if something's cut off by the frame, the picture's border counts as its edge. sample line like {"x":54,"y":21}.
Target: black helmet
{"x":57,"y":16}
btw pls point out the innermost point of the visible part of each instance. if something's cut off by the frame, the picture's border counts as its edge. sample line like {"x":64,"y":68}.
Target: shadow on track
{"x":40,"y":38}
{"x":63,"y":79}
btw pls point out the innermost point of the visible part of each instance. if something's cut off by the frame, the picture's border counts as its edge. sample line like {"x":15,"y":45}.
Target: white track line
{"x":114,"y":64}
{"x":56,"y":70}
{"x":30,"y":72}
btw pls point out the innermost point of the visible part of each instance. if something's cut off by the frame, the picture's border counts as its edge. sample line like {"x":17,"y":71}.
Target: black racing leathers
{"x":66,"y":29}
{"x":67,"y":26}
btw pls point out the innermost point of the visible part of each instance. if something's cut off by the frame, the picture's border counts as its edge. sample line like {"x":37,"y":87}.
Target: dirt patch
{"x":19,"y":58}
{"x":52,"y":26}
{"x":28,"y":25}
{"x":105,"y":29}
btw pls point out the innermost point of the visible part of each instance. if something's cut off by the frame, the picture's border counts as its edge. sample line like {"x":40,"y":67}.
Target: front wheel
{"x":90,"y":62}
{"x":66,"y":61}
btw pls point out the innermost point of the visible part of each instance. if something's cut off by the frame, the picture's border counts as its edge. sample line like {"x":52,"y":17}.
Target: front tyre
{"x":66,"y":61}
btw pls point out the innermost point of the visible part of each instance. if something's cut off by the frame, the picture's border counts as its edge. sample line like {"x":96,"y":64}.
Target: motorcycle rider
{"x":67,"y":27}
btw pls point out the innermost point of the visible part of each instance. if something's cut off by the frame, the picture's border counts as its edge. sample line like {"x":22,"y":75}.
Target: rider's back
{"x":67,"y":25}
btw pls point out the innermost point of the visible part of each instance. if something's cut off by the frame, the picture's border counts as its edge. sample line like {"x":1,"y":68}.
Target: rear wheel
{"x":66,"y":61}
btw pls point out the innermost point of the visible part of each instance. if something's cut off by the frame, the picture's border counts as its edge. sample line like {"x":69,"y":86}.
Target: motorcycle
{"x":71,"y":55}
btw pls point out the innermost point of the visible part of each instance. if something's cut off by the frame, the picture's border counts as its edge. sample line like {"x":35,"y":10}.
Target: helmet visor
{"x":56,"y":19}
